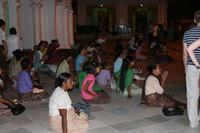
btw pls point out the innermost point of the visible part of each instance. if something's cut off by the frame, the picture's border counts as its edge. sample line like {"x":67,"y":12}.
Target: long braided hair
{"x":126,"y":62}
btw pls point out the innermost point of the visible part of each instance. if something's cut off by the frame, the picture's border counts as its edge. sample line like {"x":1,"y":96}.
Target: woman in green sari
{"x":124,"y":76}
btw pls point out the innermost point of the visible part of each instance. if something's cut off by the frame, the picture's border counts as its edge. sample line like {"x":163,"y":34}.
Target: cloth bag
{"x":82,"y":107}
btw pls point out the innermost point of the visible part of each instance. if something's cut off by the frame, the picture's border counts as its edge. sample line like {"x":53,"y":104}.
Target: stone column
{"x":12,"y":10}
{"x":18,"y":5}
{"x":64,"y":23}
{"x":71,"y":28}
{"x":3,"y":9}
{"x":36,"y":6}
{"x":66,"y":28}
{"x":13,"y":14}
{"x":69,"y":24}
{"x":60,"y":26}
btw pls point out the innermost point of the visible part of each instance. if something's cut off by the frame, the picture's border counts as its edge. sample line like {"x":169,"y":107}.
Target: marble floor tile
{"x":37,"y":128}
{"x":91,"y":117}
{"x":20,"y":130}
{"x":96,"y":108}
{"x":96,"y":124}
{"x":157,"y":118}
{"x":123,"y":126}
{"x":184,"y":121}
{"x":103,"y":130}
{"x":171,"y":125}
{"x":188,"y":130}
{"x":22,"y":121}
{"x":119,"y":111}
{"x":8,"y":127}
{"x":155,"y":128}
{"x":130,"y":125}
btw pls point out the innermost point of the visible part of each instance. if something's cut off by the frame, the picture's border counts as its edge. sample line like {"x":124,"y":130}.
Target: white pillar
{"x":66,"y":27}
{"x":47,"y":20}
{"x":64,"y":24}
{"x":18,"y":5}
{"x":71,"y":28}
{"x":12,"y":13}
{"x":3,"y":9}
{"x":36,"y":5}
{"x":60,"y":30}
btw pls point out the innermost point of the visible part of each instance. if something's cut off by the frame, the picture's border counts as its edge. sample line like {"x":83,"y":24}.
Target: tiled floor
{"x":119,"y":116}
{"x":122,"y":115}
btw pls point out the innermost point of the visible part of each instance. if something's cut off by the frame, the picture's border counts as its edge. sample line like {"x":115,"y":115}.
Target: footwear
{"x":194,"y":124}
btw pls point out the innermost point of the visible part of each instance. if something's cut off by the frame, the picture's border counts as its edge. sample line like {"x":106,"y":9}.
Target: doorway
{"x":139,"y":17}
{"x":102,"y":18}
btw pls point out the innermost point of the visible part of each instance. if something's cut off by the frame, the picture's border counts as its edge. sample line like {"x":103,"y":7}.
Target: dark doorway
{"x":140,"y":16}
{"x":141,"y":21}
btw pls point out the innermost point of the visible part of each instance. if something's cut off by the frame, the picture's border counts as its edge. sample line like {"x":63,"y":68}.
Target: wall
{"x":37,"y":20}
{"x":121,"y":9}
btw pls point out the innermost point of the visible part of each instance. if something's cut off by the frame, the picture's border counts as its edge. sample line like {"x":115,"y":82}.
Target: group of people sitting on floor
{"x":94,"y":80}
{"x":22,"y":72}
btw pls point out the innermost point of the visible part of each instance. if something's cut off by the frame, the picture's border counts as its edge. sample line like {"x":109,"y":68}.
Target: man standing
{"x":192,"y":72}
{"x":3,"y":45}
{"x":13,"y":42}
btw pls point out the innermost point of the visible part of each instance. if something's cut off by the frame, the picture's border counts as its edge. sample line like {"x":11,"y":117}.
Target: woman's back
{"x":24,"y":82}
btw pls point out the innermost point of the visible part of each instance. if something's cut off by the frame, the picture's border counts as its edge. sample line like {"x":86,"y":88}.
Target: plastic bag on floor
{"x":113,"y":84}
{"x":136,"y":90}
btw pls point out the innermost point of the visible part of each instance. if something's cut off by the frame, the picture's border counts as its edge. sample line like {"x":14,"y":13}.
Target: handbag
{"x":173,"y":112}
{"x":16,"y":108}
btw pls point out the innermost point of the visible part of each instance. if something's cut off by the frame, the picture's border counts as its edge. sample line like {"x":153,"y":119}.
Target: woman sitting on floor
{"x":153,"y":93}
{"x":25,"y":86}
{"x":124,"y":77}
{"x":3,"y":102}
{"x":80,"y":59}
{"x":3,"y":84}
{"x":4,"y":110}
{"x":15,"y":66}
{"x":103,"y":79}
{"x":119,"y":60}
{"x":40,"y":57}
{"x":63,"y":66}
{"x":87,"y":92}
{"x":83,"y":73}
{"x":63,"y":118}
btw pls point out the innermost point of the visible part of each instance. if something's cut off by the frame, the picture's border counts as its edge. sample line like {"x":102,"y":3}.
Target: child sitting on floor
{"x":25,"y":86}
{"x":88,"y":94}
